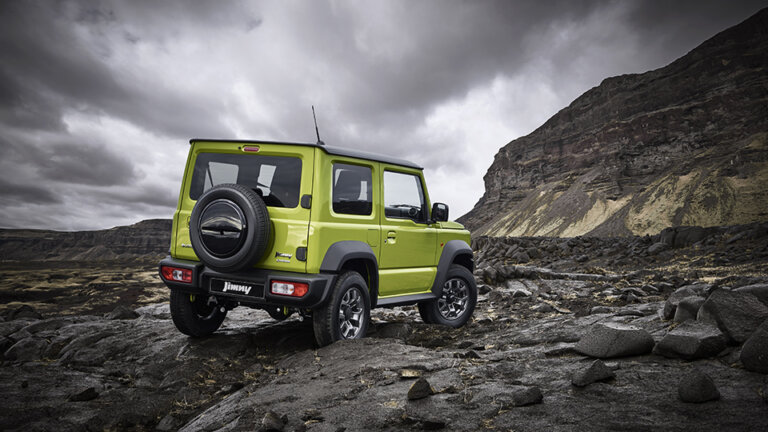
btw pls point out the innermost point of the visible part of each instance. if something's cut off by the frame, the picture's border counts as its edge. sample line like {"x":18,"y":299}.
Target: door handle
{"x":391,"y":235}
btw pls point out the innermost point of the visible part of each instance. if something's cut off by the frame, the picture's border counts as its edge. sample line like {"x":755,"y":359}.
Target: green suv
{"x":327,"y":232}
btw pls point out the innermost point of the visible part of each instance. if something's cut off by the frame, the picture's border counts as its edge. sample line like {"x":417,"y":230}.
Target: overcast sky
{"x":98,"y":99}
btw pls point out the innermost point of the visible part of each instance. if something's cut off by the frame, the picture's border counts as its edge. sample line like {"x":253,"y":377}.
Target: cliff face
{"x":686,"y":144}
{"x":146,"y":238}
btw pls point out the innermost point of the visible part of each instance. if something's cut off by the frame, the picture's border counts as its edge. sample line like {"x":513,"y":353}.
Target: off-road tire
{"x":459,"y":279}
{"x":349,"y":288}
{"x":192,"y":314}
{"x":257,"y":227}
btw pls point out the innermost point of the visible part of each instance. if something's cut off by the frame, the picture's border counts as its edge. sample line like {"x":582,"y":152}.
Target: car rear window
{"x":277,"y":179}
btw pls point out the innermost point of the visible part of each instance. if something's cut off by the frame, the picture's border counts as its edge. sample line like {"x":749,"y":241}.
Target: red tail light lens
{"x":176,"y":274}
{"x":293,"y":289}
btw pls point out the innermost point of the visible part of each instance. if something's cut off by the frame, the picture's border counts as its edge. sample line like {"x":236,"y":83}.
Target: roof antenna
{"x":317,"y":131}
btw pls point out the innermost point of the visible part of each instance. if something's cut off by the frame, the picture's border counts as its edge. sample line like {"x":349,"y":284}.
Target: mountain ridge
{"x":685,"y":144}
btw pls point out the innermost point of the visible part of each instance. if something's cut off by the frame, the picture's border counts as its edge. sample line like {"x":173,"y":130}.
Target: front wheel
{"x":457,"y":299}
{"x":347,"y":312}
{"x":196,"y":315}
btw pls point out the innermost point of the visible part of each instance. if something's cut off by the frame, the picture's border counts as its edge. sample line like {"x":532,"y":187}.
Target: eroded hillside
{"x":686,"y":144}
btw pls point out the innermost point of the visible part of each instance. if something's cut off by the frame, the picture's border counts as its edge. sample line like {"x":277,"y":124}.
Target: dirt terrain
{"x":579,"y":333}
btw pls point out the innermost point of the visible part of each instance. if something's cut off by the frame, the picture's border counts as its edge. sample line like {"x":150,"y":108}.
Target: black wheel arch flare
{"x":454,"y":251}
{"x":342,"y":252}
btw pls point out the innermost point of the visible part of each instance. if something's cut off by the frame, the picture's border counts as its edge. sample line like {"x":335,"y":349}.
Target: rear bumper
{"x":259,"y":279}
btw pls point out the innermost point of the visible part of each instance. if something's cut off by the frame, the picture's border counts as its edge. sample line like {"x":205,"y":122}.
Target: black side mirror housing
{"x":439,"y":212}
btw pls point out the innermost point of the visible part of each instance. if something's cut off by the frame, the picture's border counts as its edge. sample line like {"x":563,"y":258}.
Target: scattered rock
{"x":675,"y":298}
{"x":738,"y":314}
{"x":754,"y":353}
{"x":614,"y":340}
{"x":86,"y":395}
{"x":597,"y":371}
{"x":312,"y":414}
{"x":692,"y":340}
{"x":543,"y":308}
{"x":581,"y":258}
{"x":521,"y":257}
{"x":697,"y":387}
{"x":657,"y":247}
{"x":272,"y":422}
{"x":688,"y":309}
{"x":518,"y":396}
{"x":601,"y":310}
{"x":121,"y":312}
{"x":521,"y":292}
{"x":420,"y":389}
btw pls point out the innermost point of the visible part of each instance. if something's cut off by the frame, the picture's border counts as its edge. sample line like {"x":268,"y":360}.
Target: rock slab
{"x":692,"y":340}
{"x":738,"y":314}
{"x":614,"y":340}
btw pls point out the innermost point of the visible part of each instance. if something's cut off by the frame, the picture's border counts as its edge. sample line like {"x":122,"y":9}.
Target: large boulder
{"x":614,"y":340}
{"x":754,"y":353}
{"x":738,"y":314}
{"x":692,"y":340}
{"x":758,"y":290}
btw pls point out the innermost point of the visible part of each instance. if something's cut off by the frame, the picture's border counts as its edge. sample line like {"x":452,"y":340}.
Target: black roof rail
{"x":332,"y":150}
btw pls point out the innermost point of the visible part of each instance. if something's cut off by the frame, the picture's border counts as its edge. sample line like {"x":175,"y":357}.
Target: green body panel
{"x":407,"y":252}
{"x":327,"y":227}
{"x":289,"y":225}
{"x":408,"y":261}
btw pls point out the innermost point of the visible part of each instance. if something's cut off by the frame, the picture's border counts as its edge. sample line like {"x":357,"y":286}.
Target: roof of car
{"x":332,"y":150}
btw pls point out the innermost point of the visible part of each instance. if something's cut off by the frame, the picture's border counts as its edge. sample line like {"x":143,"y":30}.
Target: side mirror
{"x":439,"y":212}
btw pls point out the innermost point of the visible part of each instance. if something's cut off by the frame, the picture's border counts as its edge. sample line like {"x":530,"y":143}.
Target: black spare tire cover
{"x":229,"y":227}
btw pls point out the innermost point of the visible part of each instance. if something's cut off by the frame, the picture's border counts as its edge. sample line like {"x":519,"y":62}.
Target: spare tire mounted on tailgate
{"x":229,"y":227}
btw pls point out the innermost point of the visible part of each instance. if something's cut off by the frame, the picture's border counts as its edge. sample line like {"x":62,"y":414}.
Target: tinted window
{"x":403,"y":196}
{"x":277,"y":179}
{"x":352,"y":189}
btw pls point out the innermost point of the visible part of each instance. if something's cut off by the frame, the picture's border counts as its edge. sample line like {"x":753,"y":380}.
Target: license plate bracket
{"x":238,"y":288}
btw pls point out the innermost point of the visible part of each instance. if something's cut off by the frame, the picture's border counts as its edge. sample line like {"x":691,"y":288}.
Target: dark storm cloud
{"x":54,"y":70}
{"x":84,"y":163}
{"x":27,"y":193}
{"x":98,"y":99}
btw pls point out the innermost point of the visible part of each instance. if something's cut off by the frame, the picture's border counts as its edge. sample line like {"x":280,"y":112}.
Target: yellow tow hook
{"x":191,"y":298}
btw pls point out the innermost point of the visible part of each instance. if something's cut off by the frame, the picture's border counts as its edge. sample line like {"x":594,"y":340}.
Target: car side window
{"x":352,"y":189}
{"x":404,"y":197}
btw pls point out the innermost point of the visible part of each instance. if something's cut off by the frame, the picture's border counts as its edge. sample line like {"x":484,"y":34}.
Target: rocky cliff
{"x":686,"y":144}
{"x":149,"y":238}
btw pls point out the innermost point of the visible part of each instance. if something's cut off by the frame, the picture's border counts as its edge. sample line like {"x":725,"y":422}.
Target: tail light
{"x":293,"y":289}
{"x":176,"y":274}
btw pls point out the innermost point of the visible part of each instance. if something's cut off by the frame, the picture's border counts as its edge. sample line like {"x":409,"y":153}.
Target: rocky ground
{"x":666,"y":332}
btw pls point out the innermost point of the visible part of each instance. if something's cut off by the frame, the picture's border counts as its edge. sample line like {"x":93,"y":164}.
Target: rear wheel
{"x":347,"y":312}
{"x":457,"y":299}
{"x":196,"y":315}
